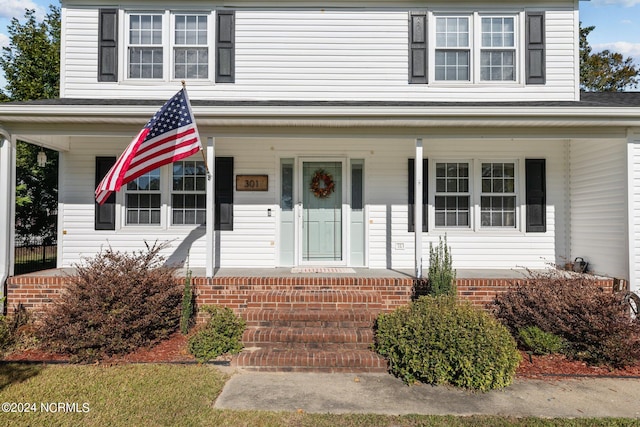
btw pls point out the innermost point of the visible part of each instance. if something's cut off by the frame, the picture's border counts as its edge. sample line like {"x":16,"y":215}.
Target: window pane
{"x":188,"y":198}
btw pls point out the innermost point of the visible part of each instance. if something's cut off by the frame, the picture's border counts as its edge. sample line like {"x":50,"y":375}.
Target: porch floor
{"x":368,"y":273}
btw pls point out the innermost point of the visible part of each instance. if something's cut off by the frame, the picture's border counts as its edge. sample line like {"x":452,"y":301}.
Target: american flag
{"x":169,"y":136}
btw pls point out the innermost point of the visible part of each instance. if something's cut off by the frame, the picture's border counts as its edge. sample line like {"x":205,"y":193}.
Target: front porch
{"x":298,"y":319}
{"x":233,"y":288}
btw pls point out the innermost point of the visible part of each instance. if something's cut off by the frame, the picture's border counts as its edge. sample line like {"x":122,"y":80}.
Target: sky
{"x":617,"y":23}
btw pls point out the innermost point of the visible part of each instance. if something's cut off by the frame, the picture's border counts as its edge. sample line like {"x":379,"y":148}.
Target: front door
{"x":322,"y":212}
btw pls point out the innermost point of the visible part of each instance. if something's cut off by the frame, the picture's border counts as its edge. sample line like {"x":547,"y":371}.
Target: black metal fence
{"x":34,"y":256}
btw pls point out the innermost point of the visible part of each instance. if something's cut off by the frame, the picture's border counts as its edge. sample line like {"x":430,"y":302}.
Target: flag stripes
{"x":170,"y":135}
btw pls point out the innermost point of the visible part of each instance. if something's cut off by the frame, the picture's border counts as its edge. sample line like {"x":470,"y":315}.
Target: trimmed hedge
{"x":437,"y":340}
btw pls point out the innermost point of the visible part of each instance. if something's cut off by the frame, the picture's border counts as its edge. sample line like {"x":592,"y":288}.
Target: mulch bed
{"x":174,"y":350}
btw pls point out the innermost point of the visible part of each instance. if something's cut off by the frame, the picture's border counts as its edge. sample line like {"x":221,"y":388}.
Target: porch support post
{"x":211,"y":207}
{"x":417,"y":214}
{"x":7,"y":205}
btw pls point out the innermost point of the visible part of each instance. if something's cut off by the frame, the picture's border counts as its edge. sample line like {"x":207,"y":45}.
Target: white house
{"x":518,"y":168}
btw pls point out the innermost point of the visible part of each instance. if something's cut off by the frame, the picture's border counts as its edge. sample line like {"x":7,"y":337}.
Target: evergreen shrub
{"x":539,"y":342}
{"x":221,"y":334}
{"x":437,"y":340}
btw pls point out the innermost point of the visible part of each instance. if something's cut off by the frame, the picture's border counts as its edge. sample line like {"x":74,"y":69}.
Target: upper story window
{"x":191,"y":52}
{"x":475,"y":48}
{"x":145,"y":53}
{"x":498,"y":51}
{"x":452,"y":48}
{"x":152,"y":35}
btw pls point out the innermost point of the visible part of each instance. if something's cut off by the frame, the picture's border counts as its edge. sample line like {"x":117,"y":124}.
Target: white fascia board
{"x":330,"y":116}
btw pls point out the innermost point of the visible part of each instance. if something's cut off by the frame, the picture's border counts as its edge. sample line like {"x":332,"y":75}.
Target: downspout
{"x":7,"y":205}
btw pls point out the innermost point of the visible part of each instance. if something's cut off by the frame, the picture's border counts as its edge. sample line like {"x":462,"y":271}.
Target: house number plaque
{"x":252,"y":182}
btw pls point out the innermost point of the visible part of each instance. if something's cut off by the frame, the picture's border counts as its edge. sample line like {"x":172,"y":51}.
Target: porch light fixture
{"x":42,"y":158}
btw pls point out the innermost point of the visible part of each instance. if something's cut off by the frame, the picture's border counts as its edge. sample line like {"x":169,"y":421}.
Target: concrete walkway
{"x":385,"y":394}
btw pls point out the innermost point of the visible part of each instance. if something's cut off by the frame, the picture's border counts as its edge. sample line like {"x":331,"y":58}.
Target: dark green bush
{"x":222,"y":334}
{"x":115,"y":303}
{"x":592,"y":321}
{"x":186,"y":313}
{"x":6,"y":338}
{"x":539,"y":342}
{"x":439,"y":341}
{"x":442,"y":276}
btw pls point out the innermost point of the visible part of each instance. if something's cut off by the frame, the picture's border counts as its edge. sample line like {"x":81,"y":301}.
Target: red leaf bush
{"x":115,"y":303}
{"x":594,"y":322}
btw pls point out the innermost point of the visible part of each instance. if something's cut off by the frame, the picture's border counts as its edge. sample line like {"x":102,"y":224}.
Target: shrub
{"x":442,"y":276}
{"x":6,"y":338}
{"x":222,"y":334}
{"x":593,"y":322}
{"x":115,"y":303}
{"x":437,"y":340}
{"x":186,"y":311}
{"x":539,"y":342}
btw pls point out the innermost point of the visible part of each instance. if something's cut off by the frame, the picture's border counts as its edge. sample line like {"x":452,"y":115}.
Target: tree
{"x":31,"y":64}
{"x":605,"y":71}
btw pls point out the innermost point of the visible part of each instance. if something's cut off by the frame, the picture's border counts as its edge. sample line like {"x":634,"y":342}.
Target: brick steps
{"x":321,"y":330}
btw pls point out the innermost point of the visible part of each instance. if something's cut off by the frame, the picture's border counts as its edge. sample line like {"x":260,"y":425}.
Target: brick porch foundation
{"x":35,"y":292}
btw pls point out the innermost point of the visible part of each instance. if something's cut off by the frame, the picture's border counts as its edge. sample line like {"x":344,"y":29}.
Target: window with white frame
{"x":145,"y":51}
{"x":190,"y":52}
{"x":486,"y":54}
{"x":152,"y":35}
{"x":498,"y":197}
{"x":188,"y":196}
{"x":452,"y":48}
{"x":452,"y":195}
{"x":498,"y":49}
{"x":143,"y":200}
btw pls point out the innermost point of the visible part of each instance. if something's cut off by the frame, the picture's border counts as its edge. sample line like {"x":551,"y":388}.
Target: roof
{"x":587,"y":99}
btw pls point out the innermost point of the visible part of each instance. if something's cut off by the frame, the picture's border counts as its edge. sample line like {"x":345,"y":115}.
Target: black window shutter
{"x":108,"y":45}
{"x":417,"y":47}
{"x":105,"y":214}
{"x":536,"y":195}
{"x":224,"y":193}
{"x":411,"y":188}
{"x":225,"y":46}
{"x":535,"y":51}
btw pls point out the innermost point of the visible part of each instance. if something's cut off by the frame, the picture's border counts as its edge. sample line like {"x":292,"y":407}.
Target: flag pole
{"x":204,"y":158}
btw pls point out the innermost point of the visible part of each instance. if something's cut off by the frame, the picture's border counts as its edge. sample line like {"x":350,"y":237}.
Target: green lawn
{"x":179,"y":395}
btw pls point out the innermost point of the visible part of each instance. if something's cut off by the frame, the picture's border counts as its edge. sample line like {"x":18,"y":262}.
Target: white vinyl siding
{"x":598,"y":213}
{"x":254,"y":241}
{"x":320,"y":55}
{"x":633,"y":150}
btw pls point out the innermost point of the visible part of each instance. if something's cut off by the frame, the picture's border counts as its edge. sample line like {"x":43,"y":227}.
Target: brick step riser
{"x":309,"y":324}
{"x":365,"y":316}
{"x":378,"y":306}
{"x":318,"y":369}
{"x":319,"y":297}
{"x":348,"y":360}
{"x":308,"y":335}
{"x":308,"y":346}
